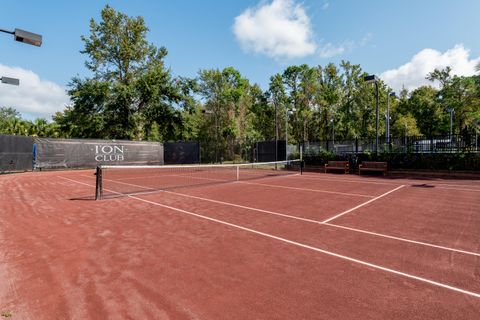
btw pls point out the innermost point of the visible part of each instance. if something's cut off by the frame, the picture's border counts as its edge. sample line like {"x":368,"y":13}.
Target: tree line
{"x":131,"y":94}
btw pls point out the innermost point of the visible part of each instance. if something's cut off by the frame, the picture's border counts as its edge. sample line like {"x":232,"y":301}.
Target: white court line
{"x":307,"y":220}
{"x":306,"y":176}
{"x":148,"y":188}
{"x":363,"y":204}
{"x":436,"y":184}
{"x":306,"y":189}
{"x":298,"y":244}
{"x":403,"y":239}
{"x":325,"y":223}
{"x":244,"y":207}
{"x":253,"y":183}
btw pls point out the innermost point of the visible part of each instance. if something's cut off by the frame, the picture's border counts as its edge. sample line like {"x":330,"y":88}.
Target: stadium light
{"x":12,"y":81}
{"x":25,"y":37}
{"x":368,"y":80}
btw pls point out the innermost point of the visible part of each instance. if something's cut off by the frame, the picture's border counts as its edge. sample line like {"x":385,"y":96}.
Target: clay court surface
{"x":312,"y":246}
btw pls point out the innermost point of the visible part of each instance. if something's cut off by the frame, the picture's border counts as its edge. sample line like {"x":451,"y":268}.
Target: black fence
{"x":83,"y":153}
{"x":406,"y":144}
{"x":20,"y":153}
{"x":230,"y":151}
{"x":16,"y":153}
{"x":264,"y":151}
{"x":182,"y":152}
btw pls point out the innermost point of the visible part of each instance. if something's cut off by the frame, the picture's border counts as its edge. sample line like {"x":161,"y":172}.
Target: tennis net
{"x":132,"y":179}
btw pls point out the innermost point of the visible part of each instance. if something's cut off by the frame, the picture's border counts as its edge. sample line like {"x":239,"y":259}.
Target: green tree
{"x":224,"y":94}
{"x":131,"y":92}
{"x":428,"y":113}
{"x":404,"y":125}
{"x":460,"y":94}
{"x":278,"y":98}
{"x":357,"y":106}
{"x":327,"y":101}
{"x":7,"y":115}
{"x":261,"y":115}
{"x":301,"y":87}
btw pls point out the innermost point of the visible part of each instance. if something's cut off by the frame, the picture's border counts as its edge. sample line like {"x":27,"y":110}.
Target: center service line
{"x":363,"y":204}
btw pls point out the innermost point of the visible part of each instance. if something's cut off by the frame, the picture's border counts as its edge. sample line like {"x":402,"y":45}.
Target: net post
{"x":98,"y":183}
{"x":238,"y":173}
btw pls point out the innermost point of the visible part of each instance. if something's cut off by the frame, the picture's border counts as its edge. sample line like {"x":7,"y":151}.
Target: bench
{"x":337,"y":165}
{"x":372,"y":166}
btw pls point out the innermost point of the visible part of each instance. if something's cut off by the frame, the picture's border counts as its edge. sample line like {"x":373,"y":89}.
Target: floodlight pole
{"x":391,"y":94}
{"x":6,"y":31}
{"x":374,"y":79}
{"x":333,"y":131}
{"x":451,"y":110}
{"x":216,"y":139}
{"x":286,"y":133}
{"x":376,"y":118}
{"x":276,"y":131}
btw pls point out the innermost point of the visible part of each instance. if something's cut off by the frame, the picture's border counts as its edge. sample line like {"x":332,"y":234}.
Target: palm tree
{"x":39,"y":127}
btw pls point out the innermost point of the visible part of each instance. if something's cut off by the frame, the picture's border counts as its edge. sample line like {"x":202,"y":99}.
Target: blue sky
{"x":399,"y":40}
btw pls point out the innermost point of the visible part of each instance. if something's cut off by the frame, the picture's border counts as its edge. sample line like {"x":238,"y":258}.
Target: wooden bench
{"x":337,"y":165}
{"x":372,"y":166}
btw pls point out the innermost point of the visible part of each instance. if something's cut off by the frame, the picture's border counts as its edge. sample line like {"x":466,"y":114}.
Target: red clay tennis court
{"x":311,"y":246}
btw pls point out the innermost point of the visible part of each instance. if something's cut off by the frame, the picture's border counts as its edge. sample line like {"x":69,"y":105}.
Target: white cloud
{"x":280,"y":29}
{"x":366,"y":39}
{"x":34,"y":97}
{"x":329,"y":50}
{"x":412,"y":74}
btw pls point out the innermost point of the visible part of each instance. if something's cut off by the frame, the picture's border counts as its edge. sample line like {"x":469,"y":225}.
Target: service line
{"x":243,"y":182}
